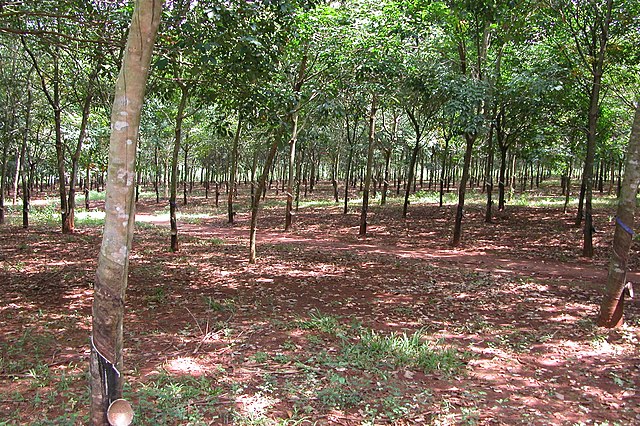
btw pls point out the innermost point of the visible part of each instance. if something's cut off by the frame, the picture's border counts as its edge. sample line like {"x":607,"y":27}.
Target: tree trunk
{"x":502,"y":177}
{"x":385,"y":182}
{"x":462,"y":189}
{"x":262,"y":186}
{"x":597,"y":70}
{"x":185,"y":172}
{"x":106,"y":361}
{"x":367,"y":179}
{"x":297,"y":87}
{"x":69,"y":216}
{"x":334,"y":178}
{"x":611,"y":309}
{"x":444,"y":167}
{"x":23,"y":155}
{"x":346,"y":180}
{"x":291,"y":168}
{"x":3,"y":176}
{"x":16,"y":177}
{"x":567,"y":187}
{"x":488,"y":215}
{"x":157,"y":174}
{"x":174,"y":167}
{"x":410,"y":177}
{"x":234,"y":169}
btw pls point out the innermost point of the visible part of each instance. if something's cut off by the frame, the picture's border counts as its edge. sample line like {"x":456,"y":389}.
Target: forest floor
{"x":327,"y":328}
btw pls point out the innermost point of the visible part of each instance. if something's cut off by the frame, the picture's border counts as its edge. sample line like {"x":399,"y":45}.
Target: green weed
{"x":400,"y":350}
{"x":320,"y":322}
{"x":169,"y":400}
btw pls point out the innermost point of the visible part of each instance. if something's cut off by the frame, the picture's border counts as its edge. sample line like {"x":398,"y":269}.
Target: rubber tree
{"x":588,"y":25}
{"x":423,"y":101}
{"x":106,"y":360}
{"x":371,"y":136}
{"x":478,"y":33}
{"x":612,"y":306}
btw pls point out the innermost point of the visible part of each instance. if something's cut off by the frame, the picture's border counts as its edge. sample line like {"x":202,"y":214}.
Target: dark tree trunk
{"x":597,"y":72}
{"x":234,"y":170}
{"x":443,"y":169}
{"x":367,"y":179}
{"x":69,"y":225}
{"x":184,"y":95}
{"x":567,"y":187}
{"x":346,"y":181}
{"x":457,"y":230}
{"x":488,"y":215}
{"x":334,"y":179}
{"x":262,"y":186}
{"x":385,"y":183}
{"x":412,"y":166}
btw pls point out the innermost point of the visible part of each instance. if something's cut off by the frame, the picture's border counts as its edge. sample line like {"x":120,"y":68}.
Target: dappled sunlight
{"x":255,"y":405}
{"x":185,"y":365}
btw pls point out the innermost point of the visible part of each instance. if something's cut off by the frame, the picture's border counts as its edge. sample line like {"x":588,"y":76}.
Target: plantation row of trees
{"x":444,"y":92}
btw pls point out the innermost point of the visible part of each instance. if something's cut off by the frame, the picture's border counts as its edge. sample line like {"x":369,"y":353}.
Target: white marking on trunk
{"x":120,"y":125}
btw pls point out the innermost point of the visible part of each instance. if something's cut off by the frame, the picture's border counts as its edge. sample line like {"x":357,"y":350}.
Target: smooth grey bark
{"x":106,"y":360}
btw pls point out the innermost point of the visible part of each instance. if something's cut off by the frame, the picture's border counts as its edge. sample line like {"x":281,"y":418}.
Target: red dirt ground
{"x":516,"y":301}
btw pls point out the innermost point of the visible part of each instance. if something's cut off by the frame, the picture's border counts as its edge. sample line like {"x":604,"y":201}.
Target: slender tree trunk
{"x":597,"y":70}
{"x":367,"y":179}
{"x":23,"y":155}
{"x":443,"y":169}
{"x":611,"y":309}
{"x":346,"y":179}
{"x":385,"y":182}
{"x":462,"y":189}
{"x":234,"y":169}
{"x":184,"y":89}
{"x":25,"y":187}
{"x":69,"y":224}
{"x":334,"y":178}
{"x":157,"y":174}
{"x":106,"y":361}
{"x":291,"y":169}
{"x":262,"y":185}
{"x":502,"y":179}
{"x":3,"y":177}
{"x":16,"y":177}
{"x":567,"y":187}
{"x":488,"y":215}
{"x":297,"y":87}
{"x":412,"y":165}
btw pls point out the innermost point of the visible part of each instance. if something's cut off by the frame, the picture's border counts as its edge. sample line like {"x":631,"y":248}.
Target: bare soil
{"x":516,"y":302}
